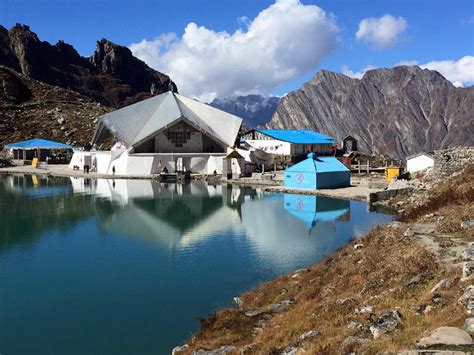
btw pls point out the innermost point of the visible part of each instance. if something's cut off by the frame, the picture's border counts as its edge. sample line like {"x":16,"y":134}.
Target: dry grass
{"x":328,"y":293}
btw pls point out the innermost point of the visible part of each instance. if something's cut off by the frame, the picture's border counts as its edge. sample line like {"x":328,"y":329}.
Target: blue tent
{"x":38,"y":143}
{"x":318,"y":173}
{"x":312,"y":209}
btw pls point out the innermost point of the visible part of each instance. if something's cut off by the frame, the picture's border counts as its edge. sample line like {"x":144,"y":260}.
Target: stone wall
{"x":449,"y":161}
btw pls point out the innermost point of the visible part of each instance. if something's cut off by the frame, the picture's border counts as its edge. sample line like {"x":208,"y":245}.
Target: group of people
{"x":87,"y":168}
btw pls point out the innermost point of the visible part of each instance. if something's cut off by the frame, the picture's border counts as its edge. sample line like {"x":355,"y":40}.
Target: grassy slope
{"x":328,"y":293}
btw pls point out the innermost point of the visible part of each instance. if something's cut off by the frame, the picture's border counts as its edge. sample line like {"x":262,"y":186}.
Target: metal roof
{"x":315,"y":164}
{"x":138,"y":122}
{"x":38,"y":143}
{"x":298,"y":136}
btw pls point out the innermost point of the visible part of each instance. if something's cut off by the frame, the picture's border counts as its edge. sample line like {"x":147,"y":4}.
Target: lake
{"x":129,"y":266}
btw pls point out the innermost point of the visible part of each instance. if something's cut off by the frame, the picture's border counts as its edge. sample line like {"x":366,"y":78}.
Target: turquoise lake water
{"x":129,"y":266}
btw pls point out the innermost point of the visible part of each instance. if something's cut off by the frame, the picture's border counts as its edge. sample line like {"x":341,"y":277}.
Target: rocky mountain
{"x":32,"y":109}
{"x":256,"y":110}
{"x":395,"y":112}
{"x":111,"y":76}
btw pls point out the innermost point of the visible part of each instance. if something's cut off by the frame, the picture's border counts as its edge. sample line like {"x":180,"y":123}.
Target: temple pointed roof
{"x":138,"y":122}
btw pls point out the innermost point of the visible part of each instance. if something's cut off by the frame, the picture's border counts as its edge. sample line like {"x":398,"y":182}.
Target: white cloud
{"x":284,"y":41}
{"x":346,"y":71}
{"x":459,"y":72}
{"x":383,"y":32}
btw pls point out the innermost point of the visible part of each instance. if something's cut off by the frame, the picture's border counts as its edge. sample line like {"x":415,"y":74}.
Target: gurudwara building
{"x":166,"y":131}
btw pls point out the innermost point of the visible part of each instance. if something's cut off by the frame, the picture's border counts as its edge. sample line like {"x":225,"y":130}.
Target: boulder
{"x":468,"y":295}
{"x":467,"y":270}
{"x":223,"y":350}
{"x":408,"y":233}
{"x":364,"y":309}
{"x":238,"y":302}
{"x":280,"y":306}
{"x":470,"y":308}
{"x":445,"y":336}
{"x":291,"y":350}
{"x":469,"y":325}
{"x":468,"y":252}
{"x":386,"y":323}
{"x":441,"y":285}
{"x":467,"y":224}
{"x":178,"y":349}
{"x":253,"y":312}
{"x":308,"y":334}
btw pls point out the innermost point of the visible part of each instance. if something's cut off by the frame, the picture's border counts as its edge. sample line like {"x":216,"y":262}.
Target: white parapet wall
{"x":145,"y":164}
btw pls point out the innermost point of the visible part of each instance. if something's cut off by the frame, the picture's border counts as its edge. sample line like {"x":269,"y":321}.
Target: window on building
{"x":179,"y":134}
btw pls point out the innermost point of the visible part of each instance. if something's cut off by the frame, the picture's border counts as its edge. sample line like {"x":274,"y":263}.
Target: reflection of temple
{"x":312,"y":209}
{"x":168,"y":214}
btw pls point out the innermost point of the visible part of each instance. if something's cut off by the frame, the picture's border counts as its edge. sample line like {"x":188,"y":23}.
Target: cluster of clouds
{"x":459,"y":71}
{"x":382,"y":33}
{"x":284,"y":41}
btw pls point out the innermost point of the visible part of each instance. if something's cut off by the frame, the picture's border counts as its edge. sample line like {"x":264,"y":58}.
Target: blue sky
{"x":431,"y":31}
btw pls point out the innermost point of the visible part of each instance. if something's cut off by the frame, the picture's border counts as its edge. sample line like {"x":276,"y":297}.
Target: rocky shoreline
{"x":406,"y":287}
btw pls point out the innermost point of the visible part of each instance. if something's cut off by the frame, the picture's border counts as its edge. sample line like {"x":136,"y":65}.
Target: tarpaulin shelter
{"x":35,"y":148}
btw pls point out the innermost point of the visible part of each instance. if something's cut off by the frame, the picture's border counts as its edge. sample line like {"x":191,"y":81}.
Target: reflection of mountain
{"x":54,"y":207}
{"x":312,"y":209}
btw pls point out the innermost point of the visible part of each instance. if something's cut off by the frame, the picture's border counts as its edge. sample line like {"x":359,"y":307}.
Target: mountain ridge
{"x":391,"y":111}
{"x":111,"y":75}
{"x":256,"y":110}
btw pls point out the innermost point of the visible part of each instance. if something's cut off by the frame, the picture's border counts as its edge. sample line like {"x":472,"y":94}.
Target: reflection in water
{"x":311,"y":209}
{"x":127,"y":266}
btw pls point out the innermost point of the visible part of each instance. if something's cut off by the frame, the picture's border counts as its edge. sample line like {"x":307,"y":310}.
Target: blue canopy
{"x":298,"y":136}
{"x":38,"y":143}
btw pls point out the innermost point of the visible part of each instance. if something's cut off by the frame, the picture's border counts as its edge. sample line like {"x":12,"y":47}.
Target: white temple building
{"x":168,"y":130}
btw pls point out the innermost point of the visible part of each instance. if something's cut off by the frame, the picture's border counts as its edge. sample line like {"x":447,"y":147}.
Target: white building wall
{"x":419,"y":163}
{"x":148,"y":164}
{"x":272,"y":146}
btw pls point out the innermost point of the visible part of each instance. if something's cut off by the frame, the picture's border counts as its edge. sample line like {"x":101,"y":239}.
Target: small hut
{"x":349,"y":144}
{"x":233,"y":165}
{"x":318,"y":173}
{"x":40,"y":149}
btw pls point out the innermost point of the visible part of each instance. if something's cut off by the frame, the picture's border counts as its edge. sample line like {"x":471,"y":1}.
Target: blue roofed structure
{"x":297,"y":136}
{"x":291,"y":143}
{"x":317,"y":173}
{"x":42,"y":149}
{"x":38,"y":143}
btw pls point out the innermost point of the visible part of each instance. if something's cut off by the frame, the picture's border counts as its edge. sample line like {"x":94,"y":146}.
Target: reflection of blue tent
{"x":318,"y":173}
{"x":312,"y":209}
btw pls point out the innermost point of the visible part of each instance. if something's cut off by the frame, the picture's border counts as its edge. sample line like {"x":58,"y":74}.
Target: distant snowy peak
{"x":256,"y":110}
